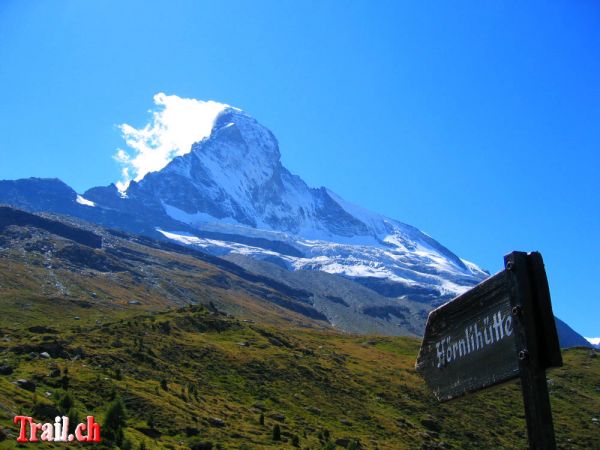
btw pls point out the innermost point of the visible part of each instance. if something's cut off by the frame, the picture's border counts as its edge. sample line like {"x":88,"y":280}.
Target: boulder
{"x":26,"y":384}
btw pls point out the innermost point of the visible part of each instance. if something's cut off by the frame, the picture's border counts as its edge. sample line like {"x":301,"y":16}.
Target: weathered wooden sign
{"x":501,"y":329}
{"x":470,"y":342}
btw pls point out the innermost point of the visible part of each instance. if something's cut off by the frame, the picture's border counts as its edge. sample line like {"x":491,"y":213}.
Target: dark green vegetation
{"x":172,"y":349}
{"x":194,"y":375}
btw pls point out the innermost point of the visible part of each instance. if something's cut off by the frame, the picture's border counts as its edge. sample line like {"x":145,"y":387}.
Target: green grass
{"x":329,"y":386}
{"x":179,"y":370}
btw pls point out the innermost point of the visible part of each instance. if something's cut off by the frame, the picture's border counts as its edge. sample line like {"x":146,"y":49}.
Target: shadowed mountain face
{"x":59,"y":260}
{"x":79,"y":269}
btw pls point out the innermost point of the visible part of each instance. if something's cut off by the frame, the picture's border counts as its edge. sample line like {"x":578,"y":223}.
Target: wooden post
{"x":525,"y":305}
{"x":501,"y":329}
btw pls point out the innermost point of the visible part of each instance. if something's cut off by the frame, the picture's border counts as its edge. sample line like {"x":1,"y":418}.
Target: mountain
{"x":59,"y":260}
{"x":199,"y":347}
{"x":230,"y":196}
{"x":568,"y":337}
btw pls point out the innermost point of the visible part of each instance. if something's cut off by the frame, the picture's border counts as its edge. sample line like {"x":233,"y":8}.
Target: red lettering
{"x":79,"y":432}
{"x":93,"y":430}
{"x":22,"y":433}
{"x":33,"y":431}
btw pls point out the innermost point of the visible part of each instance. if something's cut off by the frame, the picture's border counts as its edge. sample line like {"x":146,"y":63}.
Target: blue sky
{"x":477,"y":122}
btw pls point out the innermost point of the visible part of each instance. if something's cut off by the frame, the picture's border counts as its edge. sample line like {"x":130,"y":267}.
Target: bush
{"x":74,"y":419}
{"x":296,"y":441}
{"x":65,"y":403}
{"x":354,"y":445}
{"x":276,"y":433}
{"x":114,"y":422}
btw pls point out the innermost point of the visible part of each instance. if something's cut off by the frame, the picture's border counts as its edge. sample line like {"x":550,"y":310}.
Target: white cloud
{"x":595,"y":341}
{"x":175,"y":125}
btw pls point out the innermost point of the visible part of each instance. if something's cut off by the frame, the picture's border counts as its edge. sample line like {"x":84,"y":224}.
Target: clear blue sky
{"x":478,"y":122}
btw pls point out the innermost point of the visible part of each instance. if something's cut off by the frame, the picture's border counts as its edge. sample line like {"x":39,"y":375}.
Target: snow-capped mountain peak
{"x":232,"y":182}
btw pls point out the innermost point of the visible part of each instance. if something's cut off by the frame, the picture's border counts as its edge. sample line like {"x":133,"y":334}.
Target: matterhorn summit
{"x":231,"y":194}
{"x":209,"y":175}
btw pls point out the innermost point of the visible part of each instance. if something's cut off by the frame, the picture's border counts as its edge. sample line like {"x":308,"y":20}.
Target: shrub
{"x":65,"y":403}
{"x":295,"y":441}
{"x":114,"y":422}
{"x":164,"y":385}
{"x":276,"y":432}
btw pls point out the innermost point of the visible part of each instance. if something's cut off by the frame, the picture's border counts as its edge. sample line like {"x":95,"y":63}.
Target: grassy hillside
{"x":91,"y":317}
{"x":194,"y":376}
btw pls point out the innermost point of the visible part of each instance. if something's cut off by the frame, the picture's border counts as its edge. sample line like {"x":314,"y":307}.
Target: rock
{"x":5,"y":370}
{"x":595,"y":420}
{"x":237,"y":436}
{"x":76,"y":318}
{"x":314,"y":410}
{"x":274,"y":341}
{"x":346,"y":422}
{"x":45,"y":355}
{"x":215,"y":422}
{"x":402,"y":422}
{"x":45,"y":411}
{"x":278,"y":417}
{"x":134,"y":302}
{"x":41,"y":329}
{"x":25,"y":384}
{"x":191,"y":431}
{"x":432,"y":425}
{"x":201,"y":446}
{"x":346,"y":443}
{"x":54,"y":373}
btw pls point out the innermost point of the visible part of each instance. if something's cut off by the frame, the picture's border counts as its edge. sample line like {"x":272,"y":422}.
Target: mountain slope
{"x":195,"y":378}
{"x":51,"y":258}
{"x":569,"y":337}
{"x":231,"y":194}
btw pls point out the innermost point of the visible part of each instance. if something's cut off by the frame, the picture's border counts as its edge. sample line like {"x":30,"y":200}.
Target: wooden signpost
{"x":501,"y":329}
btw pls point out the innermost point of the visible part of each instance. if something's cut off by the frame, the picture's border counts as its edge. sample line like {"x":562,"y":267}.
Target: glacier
{"x":231,"y":184}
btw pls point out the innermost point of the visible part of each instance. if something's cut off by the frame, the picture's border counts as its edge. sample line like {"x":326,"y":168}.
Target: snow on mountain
{"x":83,"y":201}
{"x":230,"y":194}
{"x":594,"y":341}
{"x":233,"y":183}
